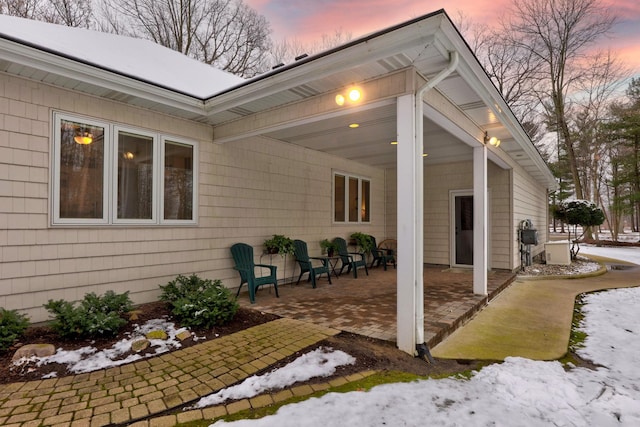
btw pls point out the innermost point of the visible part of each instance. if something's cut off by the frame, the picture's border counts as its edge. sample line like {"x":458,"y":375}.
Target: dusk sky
{"x":308,"y":20}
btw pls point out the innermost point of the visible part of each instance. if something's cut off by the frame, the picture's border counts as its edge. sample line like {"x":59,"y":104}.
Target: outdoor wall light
{"x":493,"y":141}
{"x":353,"y":95}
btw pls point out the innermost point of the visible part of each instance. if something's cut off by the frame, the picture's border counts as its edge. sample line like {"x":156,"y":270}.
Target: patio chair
{"x":352,"y":260}
{"x":382,"y":256}
{"x":306,"y":263}
{"x":243,"y":257}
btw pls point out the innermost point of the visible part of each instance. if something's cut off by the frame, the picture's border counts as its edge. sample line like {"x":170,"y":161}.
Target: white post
{"x":480,"y":266}
{"x":407,"y":208}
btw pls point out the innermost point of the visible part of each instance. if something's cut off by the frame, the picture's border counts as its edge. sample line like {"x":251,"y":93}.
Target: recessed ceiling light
{"x":425,"y":154}
{"x":394,"y":142}
{"x":354,"y":125}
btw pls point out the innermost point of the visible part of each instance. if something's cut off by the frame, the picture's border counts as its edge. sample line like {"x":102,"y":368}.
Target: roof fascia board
{"x":65,"y":67}
{"x":325,"y":64}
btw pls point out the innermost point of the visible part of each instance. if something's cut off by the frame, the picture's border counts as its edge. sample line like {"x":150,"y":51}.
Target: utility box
{"x":529,"y":236}
{"x":557,"y":252}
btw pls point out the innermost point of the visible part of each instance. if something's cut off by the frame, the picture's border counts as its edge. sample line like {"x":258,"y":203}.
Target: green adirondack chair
{"x":306,"y":263}
{"x":352,"y":260}
{"x":382,"y":256}
{"x":243,"y":257}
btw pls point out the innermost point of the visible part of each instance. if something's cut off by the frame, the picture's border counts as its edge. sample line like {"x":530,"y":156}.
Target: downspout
{"x":421,"y":346}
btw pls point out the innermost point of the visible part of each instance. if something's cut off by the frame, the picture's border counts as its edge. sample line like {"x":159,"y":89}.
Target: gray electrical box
{"x":529,"y":236}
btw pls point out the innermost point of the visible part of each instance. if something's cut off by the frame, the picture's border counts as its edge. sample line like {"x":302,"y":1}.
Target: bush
{"x":94,"y":316}
{"x":12,"y":326}
{"x":199,"y":303}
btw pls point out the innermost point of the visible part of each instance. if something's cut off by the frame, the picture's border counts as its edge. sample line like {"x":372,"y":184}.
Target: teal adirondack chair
{"x":382,"y":256}
{"x":306,"y":263}
{"x":352,"y":260}
{"x":243,"y":257}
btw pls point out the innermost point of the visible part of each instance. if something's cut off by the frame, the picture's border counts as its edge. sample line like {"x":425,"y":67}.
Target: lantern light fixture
{"x":493,"y":141}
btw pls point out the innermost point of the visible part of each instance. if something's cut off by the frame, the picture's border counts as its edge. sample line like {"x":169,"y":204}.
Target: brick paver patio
{"x":150,"y":387}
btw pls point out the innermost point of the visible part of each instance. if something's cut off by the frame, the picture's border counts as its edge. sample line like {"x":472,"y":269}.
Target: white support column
{"x":480,"y":231}
{"x":408,"y":208}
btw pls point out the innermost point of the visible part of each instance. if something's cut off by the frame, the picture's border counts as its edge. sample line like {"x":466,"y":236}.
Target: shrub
{"x":199,"y":303}
{"x":12,"y":326}
{"x":94,"y":316}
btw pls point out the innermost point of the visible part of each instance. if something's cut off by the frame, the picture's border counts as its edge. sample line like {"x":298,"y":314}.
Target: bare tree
{"x":72,"y":13}
{"x":558,"y":33}
{"x":287,"y":50}
{"x":225,"y":33}
{"x":23,"y":8}
{"x":513,"y":70}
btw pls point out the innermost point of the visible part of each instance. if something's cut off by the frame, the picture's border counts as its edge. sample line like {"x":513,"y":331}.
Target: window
{"x":108,"y":174}
{"x":351,"y":198}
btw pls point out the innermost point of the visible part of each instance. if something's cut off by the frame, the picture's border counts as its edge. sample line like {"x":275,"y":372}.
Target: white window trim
{"x":347,"y":176}
{"x":110,"y":178}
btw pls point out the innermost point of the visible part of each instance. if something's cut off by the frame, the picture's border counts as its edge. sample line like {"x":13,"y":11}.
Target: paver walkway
{"x":531,"y":318}
{"x":150,"y":387}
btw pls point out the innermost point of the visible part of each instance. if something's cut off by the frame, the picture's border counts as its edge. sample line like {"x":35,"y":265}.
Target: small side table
{"x":333,"y":262}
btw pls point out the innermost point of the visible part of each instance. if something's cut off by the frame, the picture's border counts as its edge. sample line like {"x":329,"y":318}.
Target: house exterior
{"x":124,"y":164}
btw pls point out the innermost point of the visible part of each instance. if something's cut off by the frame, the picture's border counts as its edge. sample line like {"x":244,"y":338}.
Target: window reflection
{"x":135,"y":176}
{"x":178,"y":181}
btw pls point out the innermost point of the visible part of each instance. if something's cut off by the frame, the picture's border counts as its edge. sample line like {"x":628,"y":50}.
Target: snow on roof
{"x":137,"y":58}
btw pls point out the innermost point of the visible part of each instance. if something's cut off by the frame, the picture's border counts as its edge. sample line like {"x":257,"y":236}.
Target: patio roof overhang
{"x":295,"y":103}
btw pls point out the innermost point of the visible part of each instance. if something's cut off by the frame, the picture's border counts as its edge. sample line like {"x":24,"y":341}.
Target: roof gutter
{"x":421,"y":346}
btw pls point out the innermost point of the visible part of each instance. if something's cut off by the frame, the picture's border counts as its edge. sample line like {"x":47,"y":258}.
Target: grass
{"x":362,"y":385}
{"x":576,"y":341}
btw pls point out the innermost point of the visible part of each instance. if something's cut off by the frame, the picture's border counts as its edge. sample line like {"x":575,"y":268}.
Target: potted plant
{"x":279,"y":244}
{"x":328,"y":247}
{"x":363,"y":241}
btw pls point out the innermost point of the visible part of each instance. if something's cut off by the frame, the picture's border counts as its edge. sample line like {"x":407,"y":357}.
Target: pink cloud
{"x":307,"y":21}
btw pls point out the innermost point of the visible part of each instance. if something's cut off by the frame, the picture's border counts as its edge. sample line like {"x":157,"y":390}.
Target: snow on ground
{"x":321,"y":362}
{"x":518,"y":392}
{"x":88,"y":359}
{"x":623,"y":253}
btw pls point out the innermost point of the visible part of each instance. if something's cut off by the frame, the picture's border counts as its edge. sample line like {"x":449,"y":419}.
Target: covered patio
{"x":367,"y":305}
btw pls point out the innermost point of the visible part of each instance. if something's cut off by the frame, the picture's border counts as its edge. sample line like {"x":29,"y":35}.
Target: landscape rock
{"x":156,"y":335}
{"x":140,"y":345}
{"x":184,"y":335}
{"x":38,"y":350}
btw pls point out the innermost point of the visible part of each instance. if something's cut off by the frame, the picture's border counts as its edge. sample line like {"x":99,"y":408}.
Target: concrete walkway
{"x":532,"y":318}
{"x":149,"y":388}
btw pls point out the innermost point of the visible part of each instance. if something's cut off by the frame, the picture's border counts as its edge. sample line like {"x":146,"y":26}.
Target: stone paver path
{"x":149,"y":387}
